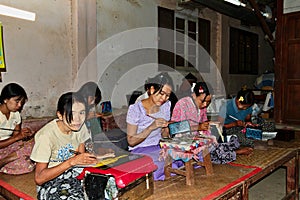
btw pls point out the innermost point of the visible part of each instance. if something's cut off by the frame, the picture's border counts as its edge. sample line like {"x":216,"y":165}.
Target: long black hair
{"x":13,"y":90}
{"x":245,"y":97}
{"x":65,"y":103}
{"x":201,"y":88}
{"x":158,"y":82}
{"x":91,"y":89}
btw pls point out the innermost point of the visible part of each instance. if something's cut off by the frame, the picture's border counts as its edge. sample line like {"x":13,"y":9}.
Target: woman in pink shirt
{"x":194,"y":109}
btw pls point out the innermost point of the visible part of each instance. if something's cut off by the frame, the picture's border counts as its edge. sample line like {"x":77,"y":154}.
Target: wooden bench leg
{"x":189,"y":170}
{"x":291,"y":176}
{"x":207,"y":162}
{"x":168,"y":166}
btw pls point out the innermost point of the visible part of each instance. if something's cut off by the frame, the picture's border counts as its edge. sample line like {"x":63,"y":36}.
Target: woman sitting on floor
{"x":194,"y":109}
{"x":147,"y":122}
{"x":14,"y":148}
{"x":235,"y":114}
{"x":92,"y":95}
{"x":59,"y":148}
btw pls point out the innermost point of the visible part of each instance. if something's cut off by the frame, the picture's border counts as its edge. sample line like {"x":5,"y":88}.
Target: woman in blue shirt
{"x":235,"y":114}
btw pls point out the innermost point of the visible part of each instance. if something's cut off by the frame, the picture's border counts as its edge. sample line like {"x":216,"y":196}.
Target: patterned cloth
{"x":223,"y":153}
{"x":185,"y":109}
{"x":66,"y":186}
{"x":23,"y":149}
{"x":100,"y":186}
{"x":21,"y":165}
{"x":183,"y":152}
{"x":238,"y":131}
{"x":220,"y":153}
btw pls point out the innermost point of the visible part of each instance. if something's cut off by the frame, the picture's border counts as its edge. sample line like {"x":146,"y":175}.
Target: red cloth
{"x":125,"y":173}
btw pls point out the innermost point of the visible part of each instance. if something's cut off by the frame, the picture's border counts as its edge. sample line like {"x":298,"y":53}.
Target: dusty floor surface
{"x":270,"y":188}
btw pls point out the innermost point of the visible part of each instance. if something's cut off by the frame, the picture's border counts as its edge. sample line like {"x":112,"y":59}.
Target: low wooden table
{"x":188,"y":156}
{"x":188,"y":169}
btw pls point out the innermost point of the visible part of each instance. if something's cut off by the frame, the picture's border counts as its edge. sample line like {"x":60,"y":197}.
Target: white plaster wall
{"x":130,"y":69}
{"x":46,"y":56}
{"x":215,"y":48}
{"x":38,"y":54}
{"x":131,"y":61}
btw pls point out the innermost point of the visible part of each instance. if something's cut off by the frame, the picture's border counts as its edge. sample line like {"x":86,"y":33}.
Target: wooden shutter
{"x":165,"y":20}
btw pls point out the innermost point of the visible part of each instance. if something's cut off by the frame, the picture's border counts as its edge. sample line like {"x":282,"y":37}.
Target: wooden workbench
{"x":268,"y":161}
{"x":234,"y":180}
{"x":227,"y":182}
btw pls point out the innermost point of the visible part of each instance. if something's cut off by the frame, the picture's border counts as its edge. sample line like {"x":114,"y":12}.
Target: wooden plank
{"x":288,"y":159}
{"x":189,"y":169}
{"x":140,"y":189}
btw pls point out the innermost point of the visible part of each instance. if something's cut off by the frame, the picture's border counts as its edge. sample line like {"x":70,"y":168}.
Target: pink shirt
{"x":185,"y":109}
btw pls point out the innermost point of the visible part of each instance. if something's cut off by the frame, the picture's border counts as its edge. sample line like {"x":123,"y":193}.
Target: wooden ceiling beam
{"x":263,"y":23}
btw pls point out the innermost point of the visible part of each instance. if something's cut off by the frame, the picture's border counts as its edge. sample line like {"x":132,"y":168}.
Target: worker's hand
{"x":203,"y":126}
{"x":102,"y":151}
{"x":240,"y":123}
{"x":25,"y":133}
{"x":83,"y":159}
{"x":159,"y":123}
{"x":28,"y":132}
{"x":249,"y":124}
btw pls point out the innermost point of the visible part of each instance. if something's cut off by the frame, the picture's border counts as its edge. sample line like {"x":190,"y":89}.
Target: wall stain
{"x":135,"y":2}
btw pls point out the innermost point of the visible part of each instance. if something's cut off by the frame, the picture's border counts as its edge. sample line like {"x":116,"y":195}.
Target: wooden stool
{"x":188,"y":169}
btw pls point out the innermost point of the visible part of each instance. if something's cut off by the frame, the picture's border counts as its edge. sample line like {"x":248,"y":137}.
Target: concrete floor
{"x":270,"y":188}
{"x":273,"y":186}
